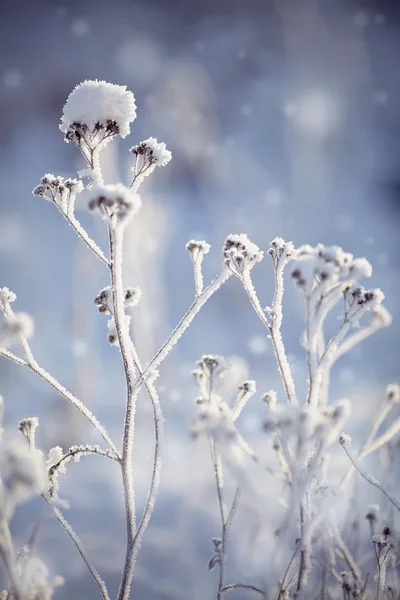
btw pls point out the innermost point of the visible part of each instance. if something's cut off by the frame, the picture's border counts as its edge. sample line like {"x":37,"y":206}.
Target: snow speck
{"x":273,"y":197}
{"x":241,"y":54}
{"x":79,"y":348}
{"x":80,"y":28}
{"x":361,"y":19}
{"x":380,"y":97}
{"x":246,"y":110}
{"x":313,"y":112}
{"x":346,"y":376}
{"x":175,"y":395}
{"x":379,"y":19}
{"x":257,"y":344}
{"x":343,"y":222}
{"x":12,"y":79}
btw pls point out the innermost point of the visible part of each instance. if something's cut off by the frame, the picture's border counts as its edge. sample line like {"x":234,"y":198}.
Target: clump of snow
{"x":95,"y":103}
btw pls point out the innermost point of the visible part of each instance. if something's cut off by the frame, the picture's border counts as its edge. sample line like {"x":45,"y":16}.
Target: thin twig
{"x":34,"y":366}
{"x":65,"y":525}
{"x":274,"y":329}
{"x":372,"y":480}
{"x":83,"y":234}
{"x":244,"y":586}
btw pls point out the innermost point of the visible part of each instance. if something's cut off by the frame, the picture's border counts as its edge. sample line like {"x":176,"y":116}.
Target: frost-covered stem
{"x":302,"y":564}
{"x":274,"y":329}
{"x":371,"y":479}
{"x":13,"y":357}
{"x":7,"y":556}
{"x":60,"y":518}
{"x":381,"y":571}
{"x":386,"y":409}
{"x":282,"y":587}
{"x":382,"y":439}
{"x":326,"y":362}
{"x":243,"y":586}
{"x":183,"y":324}
{"x":33,"y":365}
{"x":312,"y":343}
{"x":155,"y":476}
{"x":198,"y":274}
{"x":82,"y":233}
{"x":95,"y":165}
{"x":218,"y":480}
{"x":347,"y":344}
{"x":122,"y":328}
{"x":346,"y":553}
{"x":77,"y":451}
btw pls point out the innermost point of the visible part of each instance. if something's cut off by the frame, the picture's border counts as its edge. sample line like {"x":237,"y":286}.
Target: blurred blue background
{"x":282,"y":117}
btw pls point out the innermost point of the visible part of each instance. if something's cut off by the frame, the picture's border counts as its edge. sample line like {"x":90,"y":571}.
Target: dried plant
{"x":308,"y":554}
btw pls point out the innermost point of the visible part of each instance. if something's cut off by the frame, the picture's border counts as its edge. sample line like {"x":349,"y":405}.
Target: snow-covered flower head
{"x":28,"y":428}
{"x":153,"y":152}
{"x":197,"y":249}
{"x":323,"y":266}
{"x":359,"y":301}
{"x":211,"y":370}
{"x":60,"y":191}
{"x":240,"y":254}
{"x":22,"y":471}
{"x":112,"y":330}
{"x":96,"y":111}
{"x":149,"y":154}
{"x":6,"y":297}
{"x":133,"y":296}
{"x":393,"y":393}
{"x":281,"y":251}
{"x":214,"y":419}
{"x":104,"y":300}
{"x":13,"y":326}
{"x":116,"y":203}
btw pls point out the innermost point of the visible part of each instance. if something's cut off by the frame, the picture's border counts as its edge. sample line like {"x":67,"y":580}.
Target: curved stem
{"x":244,"y":586}
{"x":274,"y":329}
{"x":34,"y":366}
{"x":60,"y":518}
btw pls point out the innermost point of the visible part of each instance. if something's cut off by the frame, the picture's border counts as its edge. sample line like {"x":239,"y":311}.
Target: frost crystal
{"x":116,"y":203}
{"x":240,"y":254}
{"x":95,"y":106}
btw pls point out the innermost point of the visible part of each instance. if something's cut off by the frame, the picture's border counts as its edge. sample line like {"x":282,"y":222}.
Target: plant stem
{"x":34,"y":366}
{"x":116,"y":249}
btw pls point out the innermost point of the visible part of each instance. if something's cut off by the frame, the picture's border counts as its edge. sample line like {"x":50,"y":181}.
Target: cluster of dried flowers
{"x":308,"y":555}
